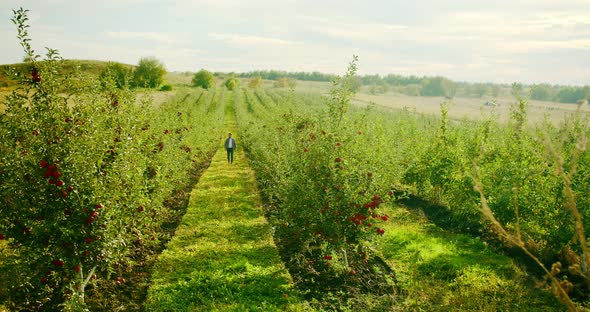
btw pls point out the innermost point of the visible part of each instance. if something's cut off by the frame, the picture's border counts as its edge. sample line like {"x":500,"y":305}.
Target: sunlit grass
{"x":443,"y":271}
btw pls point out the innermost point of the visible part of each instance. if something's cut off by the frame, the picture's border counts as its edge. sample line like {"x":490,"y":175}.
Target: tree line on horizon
{"x":433,"y":86}
{"x":149,"y":73}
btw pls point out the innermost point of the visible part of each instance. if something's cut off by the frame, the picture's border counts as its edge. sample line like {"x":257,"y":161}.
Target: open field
{"x":461,"y":107}
{"x":470,"y":108}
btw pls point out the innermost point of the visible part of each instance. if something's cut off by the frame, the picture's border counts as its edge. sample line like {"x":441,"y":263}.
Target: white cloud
{"x":565,"y":19}
{"x":503,"y":40}
{"x":547,"y":46}
{"x":164,"y":38}
{"x":249,"y":40}
{"x":353,"y":30}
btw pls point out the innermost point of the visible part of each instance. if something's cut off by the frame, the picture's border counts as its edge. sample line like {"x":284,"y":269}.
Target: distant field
{"x":471,"y":108}
{"x":177,"y":78}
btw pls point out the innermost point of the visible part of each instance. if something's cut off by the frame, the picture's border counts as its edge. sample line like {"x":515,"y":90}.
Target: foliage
{"x":343,"y":89}
{"x":85,"y":174}
{"x":379,"y":89}
{"x":573,"y":94}
{"x":327,"y":196}
{"x":116,"y":74}
{"x":255,"y":82}
{"x":439,"y":86}
{"x":299,"y":169}
{"x":85,"y":171}
{"x":149,"y":73}
{"x":276,"y":74}
{"x":73,"y":68}
{"x":285,"y":82}
{"x":231,"y":83}
{"x":166,"y":87}
{"x":542,"y":92}
{"x":479,"y":89}
{"x":203,"y":79}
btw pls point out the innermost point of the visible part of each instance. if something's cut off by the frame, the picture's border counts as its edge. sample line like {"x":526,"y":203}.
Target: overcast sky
{"x":528,"y":41}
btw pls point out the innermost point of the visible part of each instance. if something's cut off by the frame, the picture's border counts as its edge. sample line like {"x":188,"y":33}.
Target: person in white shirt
{"x":230,"y":146}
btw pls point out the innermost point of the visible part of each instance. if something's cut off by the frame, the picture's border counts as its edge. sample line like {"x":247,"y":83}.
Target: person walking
{"x":230,"y":146}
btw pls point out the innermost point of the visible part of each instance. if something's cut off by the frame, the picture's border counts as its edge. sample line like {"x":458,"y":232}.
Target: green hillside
{"x":88,"y":67}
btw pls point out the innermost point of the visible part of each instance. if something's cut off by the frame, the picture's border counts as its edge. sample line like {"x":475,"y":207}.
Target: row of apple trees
{"x":326,"y":166}
{"x":86,"y":168}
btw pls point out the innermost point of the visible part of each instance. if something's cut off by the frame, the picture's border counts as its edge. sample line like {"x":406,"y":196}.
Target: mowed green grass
{"x":222,"y":256}
{"x":442,"y":271}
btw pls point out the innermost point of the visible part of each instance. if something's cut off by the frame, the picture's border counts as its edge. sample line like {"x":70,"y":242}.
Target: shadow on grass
{"x":443,"y":217}
{"x":455,"y":272}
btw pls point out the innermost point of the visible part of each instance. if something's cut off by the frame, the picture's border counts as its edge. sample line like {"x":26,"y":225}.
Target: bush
{"x":231,"y":83}
{"x":117,"y":75}
{"x":203,"y":79}
{"x":255,"y":82}
{"x":149,"y":73}
{"x":166,"y":87}
{"x":439,"y":86}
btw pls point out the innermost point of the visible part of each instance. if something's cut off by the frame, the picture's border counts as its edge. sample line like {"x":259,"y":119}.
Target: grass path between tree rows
{"x":222,"y":256}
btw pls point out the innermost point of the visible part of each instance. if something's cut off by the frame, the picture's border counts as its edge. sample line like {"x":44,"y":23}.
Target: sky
{"x":501,"y":41}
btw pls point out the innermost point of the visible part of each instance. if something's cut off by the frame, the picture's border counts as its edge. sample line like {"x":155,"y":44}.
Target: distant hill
{"x":88,"y":67}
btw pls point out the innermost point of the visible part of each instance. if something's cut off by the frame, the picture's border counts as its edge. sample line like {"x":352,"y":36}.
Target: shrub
{"x":149,"y":73}
{"x":439,"y":86}
{"x":231,"y":83}
{"x":166,"y":87}
{"x":203,"y":79}
{"x":116,"y":74}
{"x":255,"y":82}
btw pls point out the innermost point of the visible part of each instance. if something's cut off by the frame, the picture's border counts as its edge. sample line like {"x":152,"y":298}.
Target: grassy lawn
{"x":442,"y":271}
{"x":223,"y":257}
